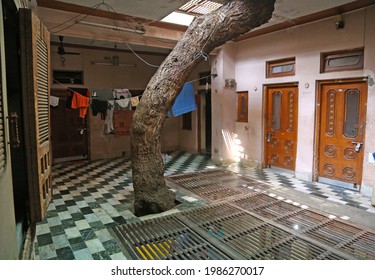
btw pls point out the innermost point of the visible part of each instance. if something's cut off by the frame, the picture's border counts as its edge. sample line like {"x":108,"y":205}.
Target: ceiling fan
{"x":61,"y":50}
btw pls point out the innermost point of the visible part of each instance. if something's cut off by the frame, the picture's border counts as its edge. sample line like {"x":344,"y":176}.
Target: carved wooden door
{"x":281,"y":127}
{"x":35,"y":57}
{"x":342,"y":124}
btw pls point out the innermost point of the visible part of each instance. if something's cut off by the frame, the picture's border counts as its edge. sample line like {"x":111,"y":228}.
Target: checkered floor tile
{"x":89,"y":197}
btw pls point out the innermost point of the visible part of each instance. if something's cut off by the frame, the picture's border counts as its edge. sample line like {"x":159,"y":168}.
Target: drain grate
{"x":210,"y":213}
{"x":254,"y":201}
{"x":254,"y":242}
{"x":296,"y":249}
{"x":164,"y":238}
{"x":216,"y":194}
{"x":222,"y":220}
{"x":303,"y":220}
{"x":334,"y":232}
{"x":362,"y":247}
{"x":217,"y":185}
{"x":210,"y":183}
{"x":243,"y":222}
{"x":276,"y":209}
{"x":252,"y":237}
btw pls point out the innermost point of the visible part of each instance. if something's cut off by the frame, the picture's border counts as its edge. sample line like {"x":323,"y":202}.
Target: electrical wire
{"x":111,"y":9}
{"x":92,"y":8}
{"x":205,"y":77}
{"x":139,"y":57}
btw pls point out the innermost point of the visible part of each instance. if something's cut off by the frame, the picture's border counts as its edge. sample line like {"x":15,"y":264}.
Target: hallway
{"x":89,"y":198}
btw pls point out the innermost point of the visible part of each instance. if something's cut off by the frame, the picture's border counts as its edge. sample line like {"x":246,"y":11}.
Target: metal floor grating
{"x":164,"y":238}
{"x":217,"y":185}
{"x":252,"y":224}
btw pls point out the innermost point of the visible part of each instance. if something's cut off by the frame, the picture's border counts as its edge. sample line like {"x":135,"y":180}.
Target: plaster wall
{"x":223,"y":105}
{"x":133,"y":78}
{"x":305,"y":43}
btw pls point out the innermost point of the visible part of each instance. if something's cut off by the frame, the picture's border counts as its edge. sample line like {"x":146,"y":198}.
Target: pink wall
{"x":305,"y":43}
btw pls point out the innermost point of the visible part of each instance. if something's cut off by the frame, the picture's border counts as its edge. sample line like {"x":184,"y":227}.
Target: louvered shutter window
{"x":42,"y":80}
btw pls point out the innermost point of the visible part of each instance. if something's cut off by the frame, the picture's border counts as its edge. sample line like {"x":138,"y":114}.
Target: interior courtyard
{"x":273,"y":160}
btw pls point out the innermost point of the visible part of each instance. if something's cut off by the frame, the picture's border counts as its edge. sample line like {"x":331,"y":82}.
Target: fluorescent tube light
{"x":113,"y":64}
{"x":111,"y":27}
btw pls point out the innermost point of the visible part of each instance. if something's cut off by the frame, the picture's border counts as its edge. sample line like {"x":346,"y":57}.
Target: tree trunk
{"x":203,"y":35}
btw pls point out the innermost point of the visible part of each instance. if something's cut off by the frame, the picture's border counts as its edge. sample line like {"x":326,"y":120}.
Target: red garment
{"x":80,"y":102}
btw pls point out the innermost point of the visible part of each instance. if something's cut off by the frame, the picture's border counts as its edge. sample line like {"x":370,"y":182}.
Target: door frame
{"x":266,"y":87}
{"x":202,"y":130}
{"x":319,"y":84}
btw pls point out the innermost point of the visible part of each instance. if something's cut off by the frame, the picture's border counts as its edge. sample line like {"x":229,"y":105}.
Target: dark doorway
{"x":208,"y":122}
{"x":14,"y":96}
{"x":69,"y":131}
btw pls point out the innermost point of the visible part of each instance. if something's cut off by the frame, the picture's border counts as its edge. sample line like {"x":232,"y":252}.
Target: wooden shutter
{"x":35,"y":57}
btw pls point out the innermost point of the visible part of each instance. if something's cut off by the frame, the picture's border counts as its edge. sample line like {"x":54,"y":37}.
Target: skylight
{"x":186,"y":13}
{"x":199,"y":7}
{"x":179,"y":18}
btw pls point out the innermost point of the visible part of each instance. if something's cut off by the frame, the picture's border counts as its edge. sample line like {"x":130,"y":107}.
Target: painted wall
{"x":8,"y":241}
{"x":305,"y":43}
{"x":224,"y":104}
{"x":99,"y":76}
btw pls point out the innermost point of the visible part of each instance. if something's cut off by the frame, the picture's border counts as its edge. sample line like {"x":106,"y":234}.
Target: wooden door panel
{"x":69,"y":131}
{"x":281,"y":127}
{"x":342,"y":123}
{"x":35,"y":57}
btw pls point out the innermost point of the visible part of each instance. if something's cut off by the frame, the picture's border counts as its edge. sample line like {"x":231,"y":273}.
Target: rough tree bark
{"x":203,"y":35}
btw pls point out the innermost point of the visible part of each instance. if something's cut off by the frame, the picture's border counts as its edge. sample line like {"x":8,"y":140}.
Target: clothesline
{"x":99,"y":99}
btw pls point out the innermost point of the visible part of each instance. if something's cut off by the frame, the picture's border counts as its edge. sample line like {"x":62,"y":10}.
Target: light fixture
{"x":114,"y":61}
{"x":138,"y":31}
{"x":339,"y":22}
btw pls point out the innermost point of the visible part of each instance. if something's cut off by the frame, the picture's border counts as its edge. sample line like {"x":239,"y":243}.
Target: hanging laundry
{"x":54,"y":101}
{"x":102,"y":93}
{"x":70,"y":93}
{"x":185,"y":101}
{"x":134,"y":100}
{"x":80,"y":102}
{"x":108,"y":122}
{"x":124,"y":103}
{"x":99,"y":106}
{"x":121,"y":93}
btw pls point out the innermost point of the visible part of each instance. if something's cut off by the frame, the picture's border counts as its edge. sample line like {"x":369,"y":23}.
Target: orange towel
{"x":80,"y":102}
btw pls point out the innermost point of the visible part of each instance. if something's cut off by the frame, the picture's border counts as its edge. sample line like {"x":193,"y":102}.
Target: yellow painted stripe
{"x":164,"y":248}
{"x":158,"y":249}
{"x":147,"y":252}
{"x":152,"y":250}
{"x":141,"y":253}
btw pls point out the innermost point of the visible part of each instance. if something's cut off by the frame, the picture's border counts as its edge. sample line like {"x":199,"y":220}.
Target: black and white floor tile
{"x":91,"y":197}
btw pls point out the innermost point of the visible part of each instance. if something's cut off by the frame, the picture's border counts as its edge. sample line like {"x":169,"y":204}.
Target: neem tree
{"x":203,"y":35}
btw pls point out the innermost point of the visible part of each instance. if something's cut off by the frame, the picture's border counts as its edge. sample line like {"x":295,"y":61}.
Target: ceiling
{"x":61,"y":18}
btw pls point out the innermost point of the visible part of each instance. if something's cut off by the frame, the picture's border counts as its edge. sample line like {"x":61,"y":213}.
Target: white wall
{"x":305,"y":43}
{"x":223,"y":105}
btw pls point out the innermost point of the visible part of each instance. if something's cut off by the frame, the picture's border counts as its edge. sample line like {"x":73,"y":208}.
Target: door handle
{"x":358,"y":146}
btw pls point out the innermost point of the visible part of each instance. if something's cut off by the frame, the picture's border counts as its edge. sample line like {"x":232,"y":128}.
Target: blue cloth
{"x":185,"y":101}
